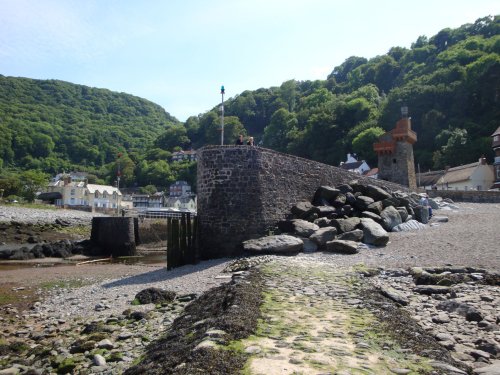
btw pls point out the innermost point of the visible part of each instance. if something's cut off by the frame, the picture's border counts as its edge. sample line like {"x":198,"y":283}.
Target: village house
{"x":181,"y":155}
{"x":474,"y":176}
{"x":353,"y":165}
{"x":156,"y":200}
{"x":179,"y":188}
{"x":66,"y":192}
{"x":182,"y":203}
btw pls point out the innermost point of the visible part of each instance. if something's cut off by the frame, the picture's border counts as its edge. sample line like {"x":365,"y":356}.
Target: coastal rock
{"x":354,"y":235}
{"x":323,"y":235}
{"x":274,"y":244}
{"x":373,"y":233}
{"x":342,"y":246}
{"x":155,"y":295}
{"x":390,"y":218}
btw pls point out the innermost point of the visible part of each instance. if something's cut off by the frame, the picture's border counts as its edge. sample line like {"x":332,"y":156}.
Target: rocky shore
{"x":323,"y":311}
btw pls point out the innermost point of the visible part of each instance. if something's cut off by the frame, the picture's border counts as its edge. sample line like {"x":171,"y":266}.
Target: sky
{"x":178,"y":53}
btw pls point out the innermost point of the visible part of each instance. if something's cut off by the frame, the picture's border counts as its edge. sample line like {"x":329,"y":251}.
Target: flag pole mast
{"x":222,"y":117}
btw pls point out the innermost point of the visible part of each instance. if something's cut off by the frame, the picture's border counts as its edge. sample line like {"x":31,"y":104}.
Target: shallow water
{"x":152,"y":258}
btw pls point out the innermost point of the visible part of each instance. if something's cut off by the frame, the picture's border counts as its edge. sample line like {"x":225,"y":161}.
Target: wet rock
{"x":469,"y":312}
{"x":343,"y":247}
{"x":394,"y":295}
{"x":155,"y":295}
{"x":432,"y":289}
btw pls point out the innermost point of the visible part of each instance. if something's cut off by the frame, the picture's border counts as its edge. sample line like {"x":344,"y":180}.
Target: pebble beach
{"x":103,"y":292}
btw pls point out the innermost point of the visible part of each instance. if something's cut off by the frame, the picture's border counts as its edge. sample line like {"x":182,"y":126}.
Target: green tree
{"x":31,"y":182}
{"x":362,"y":144}
{"x":276,"y":134}
{"x":174,"y":136}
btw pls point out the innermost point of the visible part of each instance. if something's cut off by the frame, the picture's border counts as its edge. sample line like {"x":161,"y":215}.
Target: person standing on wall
{"x":239,"y":141}
{"x":250,"y":141}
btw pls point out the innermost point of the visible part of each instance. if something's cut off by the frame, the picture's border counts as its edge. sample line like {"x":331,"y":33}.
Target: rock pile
{"x":340,"y":218}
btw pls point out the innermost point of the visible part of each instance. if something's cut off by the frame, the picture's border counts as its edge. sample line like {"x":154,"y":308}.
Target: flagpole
{"x":222,"y":117}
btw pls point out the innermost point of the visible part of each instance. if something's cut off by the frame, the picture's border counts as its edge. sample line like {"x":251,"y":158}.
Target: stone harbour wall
{"x":245,"y":190}
{"x":467,"y":195}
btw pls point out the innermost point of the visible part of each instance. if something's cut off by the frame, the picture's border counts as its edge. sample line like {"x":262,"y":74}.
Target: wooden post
{"x":170,"y":244}
{"x":183,"y":242}
{"x":190,"y":250}
{"x":176,"y":256}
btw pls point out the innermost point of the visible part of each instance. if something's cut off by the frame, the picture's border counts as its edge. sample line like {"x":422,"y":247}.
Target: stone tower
{"x":395,"y":153}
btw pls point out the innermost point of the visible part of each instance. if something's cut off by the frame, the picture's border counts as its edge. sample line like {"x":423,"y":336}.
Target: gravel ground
{"x":44,"y":216}
{"x":470,"y":238}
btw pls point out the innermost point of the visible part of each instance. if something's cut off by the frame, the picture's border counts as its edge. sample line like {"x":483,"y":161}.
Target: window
{"x":96,"y":194}
{"x":114,"y":195}
{"x":105,"y":194}
{"x":72,"y":192}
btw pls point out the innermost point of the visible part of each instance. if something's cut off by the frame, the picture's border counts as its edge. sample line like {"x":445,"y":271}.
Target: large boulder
{"x":344,"y":188}
{"x":370,"y":215}
{"x":362,"y":202}
{"x":324,"y":211}
{"x":281,"y":243}
{"x":390,"y":218}
{"x":355,"y":235}
{"x":303,"y":228}
{"x":403,"y":212}
{"x":375,"y":207}
{"x":323,"y":235}
{"x":304,"y":209}
{"x":343,"y":247}
{"x":373,"y":233}
{"x":299,"y":227}
{"x":377,"y":193}
{"x":346,"y":225}
{"x":325,"y":195}
{"x":392,"y":201}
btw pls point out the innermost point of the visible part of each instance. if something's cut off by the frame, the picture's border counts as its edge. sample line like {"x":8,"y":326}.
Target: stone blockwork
{"x":398,"y":166}
{"x":467,"y":196}
{"x":243,"y":190}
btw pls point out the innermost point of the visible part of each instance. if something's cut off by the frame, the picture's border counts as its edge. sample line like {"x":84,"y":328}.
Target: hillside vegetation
{"x":450,"y":82}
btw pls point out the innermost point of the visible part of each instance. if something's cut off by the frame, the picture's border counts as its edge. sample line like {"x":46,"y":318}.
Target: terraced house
{"x":77,"y":193}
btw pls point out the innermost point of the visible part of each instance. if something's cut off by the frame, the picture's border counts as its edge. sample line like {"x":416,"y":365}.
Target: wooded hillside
{"x":450,"y":82}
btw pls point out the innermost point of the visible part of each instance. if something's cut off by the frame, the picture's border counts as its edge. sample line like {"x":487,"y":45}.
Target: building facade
{"x":179,"y":189}
{"x":81,"y":194}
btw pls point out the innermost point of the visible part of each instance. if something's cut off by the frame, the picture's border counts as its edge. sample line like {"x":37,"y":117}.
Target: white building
{"x":353,"y":165}
{"x":80,"y":194}
{"x":474,"y":176}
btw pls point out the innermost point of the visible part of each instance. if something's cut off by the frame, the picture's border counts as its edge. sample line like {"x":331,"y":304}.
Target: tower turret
{"x":395,"y":153}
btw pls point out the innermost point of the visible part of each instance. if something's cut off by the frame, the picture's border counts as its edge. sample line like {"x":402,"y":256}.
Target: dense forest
{"x":50,"y":126}
{"x":450,"y":82}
